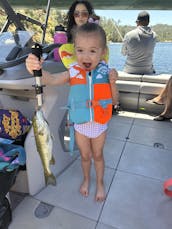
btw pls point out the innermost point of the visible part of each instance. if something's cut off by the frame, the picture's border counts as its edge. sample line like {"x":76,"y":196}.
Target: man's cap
{"x":143,"y":16}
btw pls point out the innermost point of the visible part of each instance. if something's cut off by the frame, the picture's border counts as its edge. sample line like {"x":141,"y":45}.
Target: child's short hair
{"x":91,"y":28}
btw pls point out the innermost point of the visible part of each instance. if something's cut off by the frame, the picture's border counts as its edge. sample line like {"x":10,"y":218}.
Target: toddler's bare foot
{"x":84,"y":189}
{"x":100,"y":193}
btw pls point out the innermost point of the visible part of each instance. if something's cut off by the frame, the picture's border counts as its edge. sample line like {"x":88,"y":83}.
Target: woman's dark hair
{"x":70,"y":16}
{"x":92,"y":28}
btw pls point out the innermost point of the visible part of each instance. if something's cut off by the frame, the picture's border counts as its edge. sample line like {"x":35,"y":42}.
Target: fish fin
{"x":50,"y":179}
{"x":46,"y":121}
{"x":52,"y":161}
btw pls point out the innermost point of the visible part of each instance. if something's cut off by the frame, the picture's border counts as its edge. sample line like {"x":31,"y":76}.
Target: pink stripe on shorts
{"x":90,"y":129}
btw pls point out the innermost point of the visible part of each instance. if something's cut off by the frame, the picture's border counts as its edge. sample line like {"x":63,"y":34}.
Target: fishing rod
{"x":117,"y":29}
{"x":44,"y":26}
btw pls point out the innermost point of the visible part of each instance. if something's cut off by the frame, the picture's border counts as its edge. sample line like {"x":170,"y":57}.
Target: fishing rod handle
{"x":37,"y":51}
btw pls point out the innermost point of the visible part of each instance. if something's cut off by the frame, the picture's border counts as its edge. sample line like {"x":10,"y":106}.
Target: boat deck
{"x":138,"y":159}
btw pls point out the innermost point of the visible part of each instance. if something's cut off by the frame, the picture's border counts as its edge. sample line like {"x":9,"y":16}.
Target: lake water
{"x":162,"y":57}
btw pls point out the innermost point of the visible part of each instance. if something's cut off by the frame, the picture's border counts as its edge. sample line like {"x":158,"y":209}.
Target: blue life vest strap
{"x":71,"y":133}
{"x":72,"y":139}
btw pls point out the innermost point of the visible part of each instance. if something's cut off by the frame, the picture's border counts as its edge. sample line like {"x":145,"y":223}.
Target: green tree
{"x":113,"y":29}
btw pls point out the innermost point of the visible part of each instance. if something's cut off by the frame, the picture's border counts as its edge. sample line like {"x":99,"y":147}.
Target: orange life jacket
{"x":90,"y":97}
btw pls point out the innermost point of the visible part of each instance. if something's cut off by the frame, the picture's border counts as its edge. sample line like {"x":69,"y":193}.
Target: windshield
{"x":9,"y":40}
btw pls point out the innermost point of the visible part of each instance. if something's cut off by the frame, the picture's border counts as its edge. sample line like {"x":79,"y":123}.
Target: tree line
{"x":114,"y":30}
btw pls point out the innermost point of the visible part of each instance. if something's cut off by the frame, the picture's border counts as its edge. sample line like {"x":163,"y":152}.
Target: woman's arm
{"x":33,"y":63}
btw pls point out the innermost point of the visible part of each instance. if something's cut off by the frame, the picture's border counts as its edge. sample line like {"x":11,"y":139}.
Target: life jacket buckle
{"x":92,"y":103}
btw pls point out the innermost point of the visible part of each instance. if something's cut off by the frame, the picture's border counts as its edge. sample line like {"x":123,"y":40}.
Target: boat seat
{"x":129,"y":77}
{"x":134,"y":90}
{"x":162,"y":78}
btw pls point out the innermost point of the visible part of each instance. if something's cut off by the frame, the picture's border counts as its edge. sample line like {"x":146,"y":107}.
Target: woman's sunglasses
{"x":81,"y":14}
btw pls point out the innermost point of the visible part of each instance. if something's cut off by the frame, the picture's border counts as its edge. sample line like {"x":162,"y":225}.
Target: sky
{"x":128,"y":17}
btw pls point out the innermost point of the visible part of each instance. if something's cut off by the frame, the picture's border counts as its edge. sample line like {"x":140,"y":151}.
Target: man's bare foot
{"x":84,"y":189}
{"x":100,"y":193}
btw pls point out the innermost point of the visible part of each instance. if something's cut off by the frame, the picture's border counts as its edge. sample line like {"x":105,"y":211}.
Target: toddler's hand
{"x":33,"y":63}
{"x":113,"y":76}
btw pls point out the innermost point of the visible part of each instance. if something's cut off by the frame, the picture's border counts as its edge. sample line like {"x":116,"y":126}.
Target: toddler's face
{"x":88,"y":50}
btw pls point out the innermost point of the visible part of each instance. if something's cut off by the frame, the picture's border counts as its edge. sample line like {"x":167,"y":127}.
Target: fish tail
{"x":50,"y":179}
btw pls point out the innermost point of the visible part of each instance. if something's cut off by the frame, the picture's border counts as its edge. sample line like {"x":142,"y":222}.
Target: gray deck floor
{"x":138,"y":158}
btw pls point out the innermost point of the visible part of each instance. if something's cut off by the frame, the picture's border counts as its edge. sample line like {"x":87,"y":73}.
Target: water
{"x":162,"y":57}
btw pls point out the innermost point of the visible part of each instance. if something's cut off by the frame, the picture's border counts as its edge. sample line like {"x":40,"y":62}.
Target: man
{"x":138,"y":46}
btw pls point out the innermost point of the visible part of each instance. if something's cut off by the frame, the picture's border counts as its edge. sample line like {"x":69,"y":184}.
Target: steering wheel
{"x":13,"y":59}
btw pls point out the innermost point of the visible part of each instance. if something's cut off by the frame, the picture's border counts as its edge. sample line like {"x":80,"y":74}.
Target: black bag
{"x":5,"y":214}
{"x":7,"y":179}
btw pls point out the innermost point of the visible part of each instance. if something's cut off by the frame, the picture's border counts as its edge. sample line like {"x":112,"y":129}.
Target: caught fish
{"x":44,"y":144}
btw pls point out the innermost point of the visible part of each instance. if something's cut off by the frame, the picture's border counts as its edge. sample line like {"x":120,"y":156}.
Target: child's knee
{"x":86,"y":157}
{"x":98,"y":156}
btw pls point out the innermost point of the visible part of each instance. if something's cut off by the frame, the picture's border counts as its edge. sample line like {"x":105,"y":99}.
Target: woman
{"x":165,"y":97}
{"x":78,"y":14}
